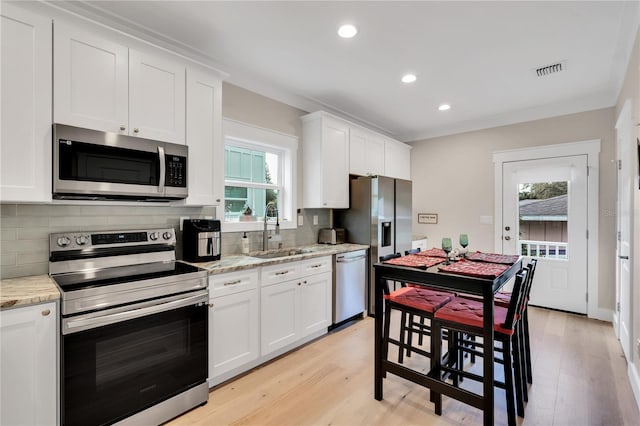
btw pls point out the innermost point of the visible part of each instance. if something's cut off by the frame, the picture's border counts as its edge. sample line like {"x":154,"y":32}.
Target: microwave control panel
{"x":176,"y":167}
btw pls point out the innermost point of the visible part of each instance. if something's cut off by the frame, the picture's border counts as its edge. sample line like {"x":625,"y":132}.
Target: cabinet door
{"x":357,"y":149}
{"x":315,"y":303}
{"x":156,"y":97}
{"x":233,"y":332}
{"x":374,"y":155}
{"x":28,"y":384}
{"x":366,"y":153}
{"x":397,"y":160}
{"x":204,"y":138}
{"x":25,"y":151}
{"x":279,"y":315}
{"x":335,"y":163}
{"x":90,"y":81}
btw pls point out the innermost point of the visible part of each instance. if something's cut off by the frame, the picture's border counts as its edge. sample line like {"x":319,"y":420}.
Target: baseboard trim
{"x":601,"y":314}
{"x":634,"y":379}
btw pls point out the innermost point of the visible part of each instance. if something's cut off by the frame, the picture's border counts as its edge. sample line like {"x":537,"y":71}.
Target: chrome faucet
{"x":265,"y":233}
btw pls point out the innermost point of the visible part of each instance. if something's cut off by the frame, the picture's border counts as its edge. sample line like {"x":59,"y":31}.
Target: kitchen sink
{"x":274,"y":254}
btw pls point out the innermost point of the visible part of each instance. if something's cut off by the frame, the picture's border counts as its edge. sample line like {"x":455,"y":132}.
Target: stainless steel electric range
{"x":134,"y":327}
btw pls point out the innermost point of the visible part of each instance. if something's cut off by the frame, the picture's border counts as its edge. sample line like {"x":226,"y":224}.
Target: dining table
{"x":430,"y":275}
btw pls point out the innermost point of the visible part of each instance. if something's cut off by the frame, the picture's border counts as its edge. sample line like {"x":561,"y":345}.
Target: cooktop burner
{"x":122,"y":274}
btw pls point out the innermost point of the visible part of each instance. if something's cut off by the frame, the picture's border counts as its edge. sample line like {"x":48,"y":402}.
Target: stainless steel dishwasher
{"x":349,"y":285}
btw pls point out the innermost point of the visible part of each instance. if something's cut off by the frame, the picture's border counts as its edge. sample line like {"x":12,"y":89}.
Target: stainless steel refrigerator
{"x":379,"y":215}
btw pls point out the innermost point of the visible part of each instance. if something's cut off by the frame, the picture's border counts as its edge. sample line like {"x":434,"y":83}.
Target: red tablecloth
{"x":415,"y":261}
{"x":507,"y":259}
{"x":474,"y":269}
{"x":433,"y":252}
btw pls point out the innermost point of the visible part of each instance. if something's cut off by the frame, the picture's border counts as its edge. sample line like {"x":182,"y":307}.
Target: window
{"x":259,"y":169}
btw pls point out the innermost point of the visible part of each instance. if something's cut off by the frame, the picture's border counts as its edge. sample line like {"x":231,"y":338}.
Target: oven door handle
{"x":74,"y":325}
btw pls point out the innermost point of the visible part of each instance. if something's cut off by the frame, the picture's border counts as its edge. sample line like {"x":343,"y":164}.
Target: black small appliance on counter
{"x":201,"y":240}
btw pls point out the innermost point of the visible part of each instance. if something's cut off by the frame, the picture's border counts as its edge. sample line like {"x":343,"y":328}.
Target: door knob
{"x":507,"y":237}
{"x":507,"y":228}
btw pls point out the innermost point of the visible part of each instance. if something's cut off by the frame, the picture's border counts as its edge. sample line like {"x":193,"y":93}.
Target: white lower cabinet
{"x":28,"y":375}
{"x":280,"y":315}
{"x":258,"y":314}
{"x":234,"y":327}
{"x":295,"y":309}
{"x":315,"y":303}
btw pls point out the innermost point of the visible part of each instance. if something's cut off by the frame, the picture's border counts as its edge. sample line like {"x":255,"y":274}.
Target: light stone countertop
{"x":238,"y":262}
{"x":36,"y":289}
{"x":27,"y":291}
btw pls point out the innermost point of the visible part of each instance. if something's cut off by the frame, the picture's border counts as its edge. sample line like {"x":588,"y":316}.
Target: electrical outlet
{"x":300,"y":220}
{"x":182,"y":219}
{"x":315,"y":219}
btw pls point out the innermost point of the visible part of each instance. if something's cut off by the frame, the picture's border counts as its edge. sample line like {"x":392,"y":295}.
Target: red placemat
{"x":507,"y":259}
{"x":433,"y":252}
{"x":415,"y":261}
{"x":474,"y":269}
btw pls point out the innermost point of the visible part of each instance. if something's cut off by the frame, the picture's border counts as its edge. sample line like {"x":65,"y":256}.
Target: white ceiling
{"x":478,"y":56}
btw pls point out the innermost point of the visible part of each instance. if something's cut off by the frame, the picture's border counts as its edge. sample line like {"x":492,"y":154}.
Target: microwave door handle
{"x":163,"y":171}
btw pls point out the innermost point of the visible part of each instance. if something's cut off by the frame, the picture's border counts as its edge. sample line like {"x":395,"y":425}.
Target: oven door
{"x":118,"y":362}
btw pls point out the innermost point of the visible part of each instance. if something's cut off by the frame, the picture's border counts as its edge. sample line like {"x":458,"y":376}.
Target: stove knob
{"x":64,"y":241}
{"x":154,"y":236}
{"x":166,"y":235}
{"x":82,"y":240}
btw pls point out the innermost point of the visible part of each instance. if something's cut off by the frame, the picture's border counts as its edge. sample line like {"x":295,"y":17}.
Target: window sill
{"x":255,"y":226}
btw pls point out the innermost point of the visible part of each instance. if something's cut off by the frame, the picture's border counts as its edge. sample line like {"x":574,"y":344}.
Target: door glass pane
{"x":543,"y":217}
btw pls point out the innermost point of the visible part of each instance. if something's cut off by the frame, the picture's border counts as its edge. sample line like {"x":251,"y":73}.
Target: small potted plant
{"x":247,"y":215}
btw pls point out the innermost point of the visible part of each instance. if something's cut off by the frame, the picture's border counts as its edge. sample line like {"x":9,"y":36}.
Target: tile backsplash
{"x":25,"y":229}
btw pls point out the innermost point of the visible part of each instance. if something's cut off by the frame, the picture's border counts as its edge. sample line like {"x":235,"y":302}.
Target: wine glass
{"x":446,"y":246}
{"x":464,"y":242}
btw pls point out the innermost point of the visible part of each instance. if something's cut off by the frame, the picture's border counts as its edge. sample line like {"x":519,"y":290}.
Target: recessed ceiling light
{"x":444,"y":107}
{"x":409,"y":78}
{"x":347,"y":31}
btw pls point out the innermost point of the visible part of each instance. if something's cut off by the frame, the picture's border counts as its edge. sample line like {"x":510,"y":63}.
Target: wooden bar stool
{"x":464,"y":315}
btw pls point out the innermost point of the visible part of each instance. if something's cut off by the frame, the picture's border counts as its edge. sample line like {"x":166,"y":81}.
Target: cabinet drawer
{"x":233,"y":282}
{"x":273,"y":274}
{"x":316,"y":265}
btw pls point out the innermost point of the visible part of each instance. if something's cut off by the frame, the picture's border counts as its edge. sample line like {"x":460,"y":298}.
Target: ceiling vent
{"x":550,"y":69}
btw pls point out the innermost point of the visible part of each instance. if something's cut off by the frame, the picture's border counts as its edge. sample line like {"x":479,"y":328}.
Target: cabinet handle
{"x":316,"y":266}
{"x":299,"y":283}
{"x":123,"y":127}
{"x":217,"y":200}
{"x":232,"y":282}
{"x":282,"y":273}
{"x":46,"y":312}
{"x":211,"y":305}
{"x":304,"y":282}
{"x":136,"y":130}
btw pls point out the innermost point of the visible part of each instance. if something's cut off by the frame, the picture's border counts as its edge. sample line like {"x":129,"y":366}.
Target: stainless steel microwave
{"x":89,"y":164}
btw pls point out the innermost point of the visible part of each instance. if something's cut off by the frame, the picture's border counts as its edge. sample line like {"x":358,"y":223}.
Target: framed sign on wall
{"x":431,"y":218}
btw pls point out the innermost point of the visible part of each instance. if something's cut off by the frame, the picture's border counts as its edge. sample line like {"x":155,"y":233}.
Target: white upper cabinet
{"x":397,"y":160}
{"x":325,"y":156}
{"x":103,"y":85}
{"x":156,"y":97}
{"x":25,"y":144}
{"x":366,"y":152}
{"x":204,"y":138}
{"x":91,"y":81}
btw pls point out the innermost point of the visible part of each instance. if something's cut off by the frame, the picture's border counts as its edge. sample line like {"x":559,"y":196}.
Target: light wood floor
{"x":580,"y":378}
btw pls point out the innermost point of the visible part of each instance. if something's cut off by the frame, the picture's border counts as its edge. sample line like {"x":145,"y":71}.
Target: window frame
{"x":248,"y":136}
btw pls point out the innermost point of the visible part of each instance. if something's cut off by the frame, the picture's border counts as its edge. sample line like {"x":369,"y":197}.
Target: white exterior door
{"x":560,"y":238}
{"x":625,"y":180}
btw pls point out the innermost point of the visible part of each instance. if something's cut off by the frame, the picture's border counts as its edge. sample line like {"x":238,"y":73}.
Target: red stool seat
{"x":469,"y":312}
{"x":420,"y":298}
